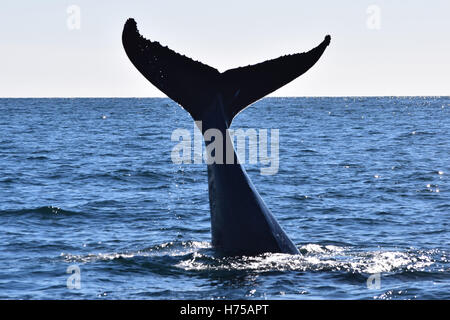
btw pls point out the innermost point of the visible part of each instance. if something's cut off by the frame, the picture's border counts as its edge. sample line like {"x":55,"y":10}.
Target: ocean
{"x":93,"y":207}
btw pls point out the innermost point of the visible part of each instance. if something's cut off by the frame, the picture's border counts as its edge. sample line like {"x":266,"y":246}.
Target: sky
{"x":388,"y":48}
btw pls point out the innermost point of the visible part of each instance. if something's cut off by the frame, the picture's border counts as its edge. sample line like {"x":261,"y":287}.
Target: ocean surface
{"x":92,"y":206}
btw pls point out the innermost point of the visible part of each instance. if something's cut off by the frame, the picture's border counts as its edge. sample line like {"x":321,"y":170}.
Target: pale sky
{"x":398,"y":48}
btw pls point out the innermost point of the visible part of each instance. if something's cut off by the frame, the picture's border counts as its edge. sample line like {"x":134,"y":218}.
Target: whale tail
{"x":240,"y":221}
{"x":194,"y":85}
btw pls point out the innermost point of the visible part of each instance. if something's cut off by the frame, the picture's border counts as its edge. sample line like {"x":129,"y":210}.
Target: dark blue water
{"x":363,"y":189}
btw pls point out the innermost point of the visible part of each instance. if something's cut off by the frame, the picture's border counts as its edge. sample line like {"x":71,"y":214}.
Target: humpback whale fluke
{"x":241,"y":223}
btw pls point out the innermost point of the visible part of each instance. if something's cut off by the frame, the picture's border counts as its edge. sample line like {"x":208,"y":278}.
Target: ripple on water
{"x":355,"y":188}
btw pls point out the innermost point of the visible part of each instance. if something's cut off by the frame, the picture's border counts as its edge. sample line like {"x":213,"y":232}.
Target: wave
{"x":194,"y":256}
{"x":126,"y":175}
{"x":318,"y":258}
{"x":45,"y":211}
{"x":164,"y":249}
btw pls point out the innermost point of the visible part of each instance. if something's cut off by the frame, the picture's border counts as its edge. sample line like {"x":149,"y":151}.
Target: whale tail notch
{"x":193,"y":84}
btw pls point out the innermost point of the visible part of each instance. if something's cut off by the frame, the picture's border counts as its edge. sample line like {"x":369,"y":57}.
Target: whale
{"x":241,"y":222}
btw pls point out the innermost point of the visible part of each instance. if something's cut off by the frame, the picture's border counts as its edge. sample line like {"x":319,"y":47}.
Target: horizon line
{"x":268,"y":97}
